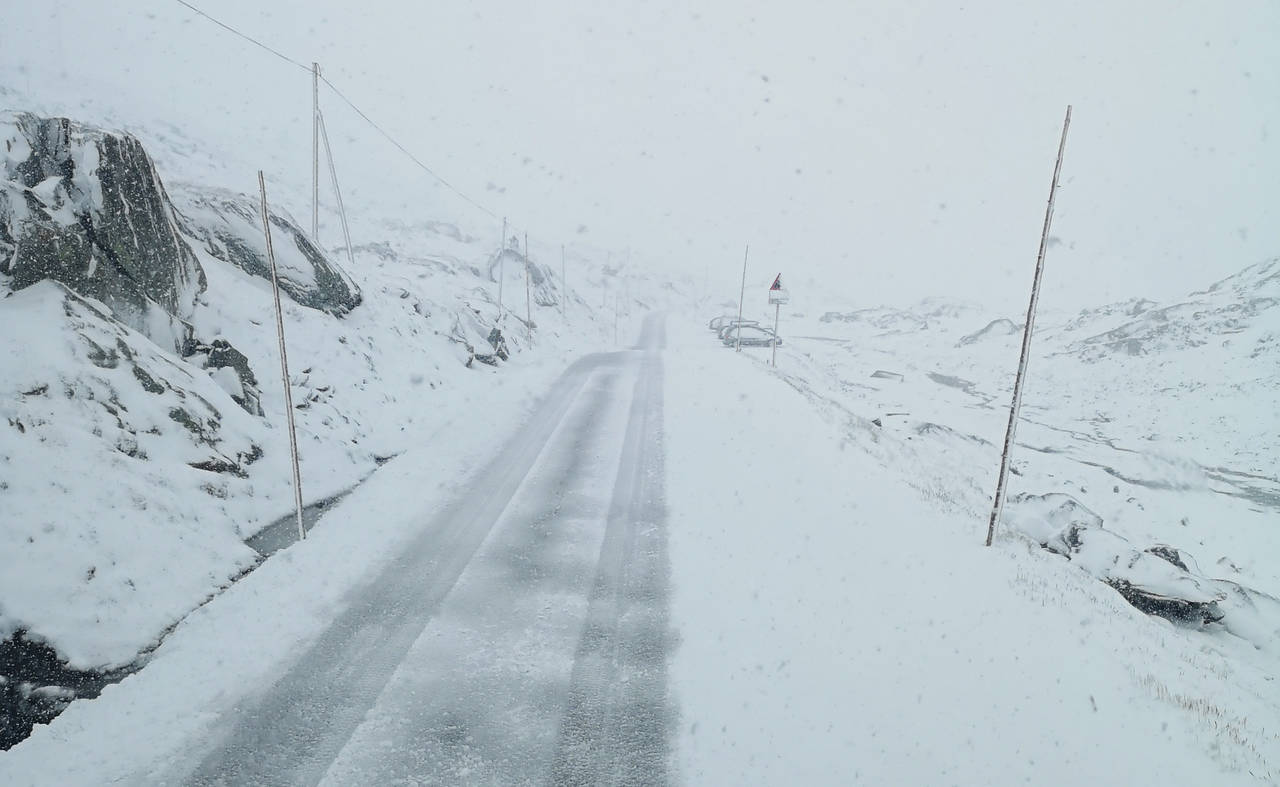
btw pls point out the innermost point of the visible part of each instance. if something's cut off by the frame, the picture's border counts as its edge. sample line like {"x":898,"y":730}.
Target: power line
{"x":353,"y":106}
{"x":405,"y":151}
{"x":245,"y":36}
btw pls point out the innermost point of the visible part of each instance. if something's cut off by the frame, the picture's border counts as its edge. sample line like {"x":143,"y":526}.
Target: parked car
{"x":728,"y":326}
{"x":752,"y":336}
{"x":718,"y":324}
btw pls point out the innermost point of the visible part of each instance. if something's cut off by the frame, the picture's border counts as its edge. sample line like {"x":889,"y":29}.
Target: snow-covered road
{"x":520,"y":637}
{"x":824,"y":613}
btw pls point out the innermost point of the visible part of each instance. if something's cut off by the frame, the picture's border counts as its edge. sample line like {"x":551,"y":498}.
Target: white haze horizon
{"x":872,"y":153}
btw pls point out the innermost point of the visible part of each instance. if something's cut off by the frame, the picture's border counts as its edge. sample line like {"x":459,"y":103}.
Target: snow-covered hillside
{"x":1156,"y":423}
{"x":1124,"y":628}
{"x":143,"y":438}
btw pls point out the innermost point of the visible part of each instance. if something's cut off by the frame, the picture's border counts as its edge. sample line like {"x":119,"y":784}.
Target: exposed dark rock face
{"x":229,"y":227}
{"x":86,"y":207}
{"x":221,"y":355}
{"x":125,"y":361}
{"x":1159,"y":580}
{"x":499,"y":343}
{"x":36,"y":685}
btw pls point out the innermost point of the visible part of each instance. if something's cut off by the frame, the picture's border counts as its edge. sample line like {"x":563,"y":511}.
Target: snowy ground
{"x":325,"y":628}
{"x":836,"y":618}
{"x":840,"y":621}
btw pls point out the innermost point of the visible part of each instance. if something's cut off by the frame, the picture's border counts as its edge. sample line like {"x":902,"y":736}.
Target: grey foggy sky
{"x":883,"y":151}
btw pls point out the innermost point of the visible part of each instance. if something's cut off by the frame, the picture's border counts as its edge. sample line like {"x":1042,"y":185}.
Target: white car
{"x":752,"y":336}
{"x":731,"y":323}
{"x":718,"y":324}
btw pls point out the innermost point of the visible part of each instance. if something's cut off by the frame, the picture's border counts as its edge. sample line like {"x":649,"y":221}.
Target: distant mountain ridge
{"x":1236,"y":306}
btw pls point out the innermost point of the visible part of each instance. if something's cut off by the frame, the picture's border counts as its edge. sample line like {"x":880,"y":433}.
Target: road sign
{"x":776,"y":293}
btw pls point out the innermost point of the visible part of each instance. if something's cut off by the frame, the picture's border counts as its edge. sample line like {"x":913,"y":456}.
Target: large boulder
{"x":229,"y":226}
{"x":542,"y":285}
{"x":85,"y":206}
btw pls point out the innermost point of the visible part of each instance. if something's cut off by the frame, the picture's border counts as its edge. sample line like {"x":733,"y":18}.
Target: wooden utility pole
{"x":737,"y":331}
{"x":502,"y":263}
{"x":315,"y":153}
{"x":1016,"y":405}
{"x":528,"y":299}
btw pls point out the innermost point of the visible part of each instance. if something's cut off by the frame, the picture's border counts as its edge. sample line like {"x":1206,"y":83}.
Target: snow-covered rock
{"x":1000,"y":327}
{"x":86,"y":207}
{"x":1159,"y":580}
{"x":116,"y":460}
{"x":514,"y":266}
{"x":229,"y":227}
{"x":1042,"y":517}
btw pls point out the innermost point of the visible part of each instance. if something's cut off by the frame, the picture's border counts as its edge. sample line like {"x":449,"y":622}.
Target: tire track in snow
{"x":619,"y":720}
{"x":297,"y":728}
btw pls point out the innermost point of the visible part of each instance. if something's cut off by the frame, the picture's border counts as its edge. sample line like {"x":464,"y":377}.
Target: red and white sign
{"x":776,"y":293}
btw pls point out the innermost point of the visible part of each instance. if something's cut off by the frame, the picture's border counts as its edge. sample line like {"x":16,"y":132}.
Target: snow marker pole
{"x":738,"y":329}
{"x":1016,"y":405}
{"x":528,"y":299}
{"x":337,"y":192}
{"x":315,"y":153}
{"x":777,"y":308}
{"x":604,"y":292}
{"x":284,"y":362}
{"x":502,"y":263}
{"x":564,"y":300}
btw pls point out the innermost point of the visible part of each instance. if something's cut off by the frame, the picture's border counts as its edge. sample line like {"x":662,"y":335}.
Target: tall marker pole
{"x":564,"y":299}
{"x":1016,"y":405}
{"x":777,"y":307}
{"x":738,"y":330}
{"x":284,"y":362}
{"x":315,"y":153}
{"x":604,"y":293}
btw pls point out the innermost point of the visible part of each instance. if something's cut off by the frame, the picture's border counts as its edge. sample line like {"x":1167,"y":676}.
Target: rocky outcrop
{"x":1159,"y":580}
{"x":1000,"y":327}
{"x":230,"y":369}
{"x":100,"y":428}
{"x":542,"y":286}
{"x":229,"y":227}
{"x":86,"y":207}
{"x":35,"y":686}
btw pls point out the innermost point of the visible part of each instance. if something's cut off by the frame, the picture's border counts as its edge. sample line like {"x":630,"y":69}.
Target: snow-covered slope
{"x":136,"y":470}
{"x":841,"y":621}
{"x":1159,"y":421}
{"x":116,"y":523}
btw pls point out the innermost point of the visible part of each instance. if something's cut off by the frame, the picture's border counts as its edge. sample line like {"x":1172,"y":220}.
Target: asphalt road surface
{"x":521,"y":639}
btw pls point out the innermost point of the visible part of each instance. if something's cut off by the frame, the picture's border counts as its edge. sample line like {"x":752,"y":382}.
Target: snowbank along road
{"x":522,"y":638}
